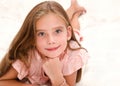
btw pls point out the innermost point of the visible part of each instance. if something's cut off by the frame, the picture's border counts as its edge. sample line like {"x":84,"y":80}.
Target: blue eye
{"x":58,"y":31}
{"x":41,"y":34}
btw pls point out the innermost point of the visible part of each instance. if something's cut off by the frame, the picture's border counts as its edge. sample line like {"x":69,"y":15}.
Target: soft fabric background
{"x":100,"y":28}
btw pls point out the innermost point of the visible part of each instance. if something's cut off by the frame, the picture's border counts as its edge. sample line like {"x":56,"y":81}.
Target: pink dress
{"x":71,"y":62}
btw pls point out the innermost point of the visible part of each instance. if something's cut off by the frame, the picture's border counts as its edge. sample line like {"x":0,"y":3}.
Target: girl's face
{"x":52,"y":35}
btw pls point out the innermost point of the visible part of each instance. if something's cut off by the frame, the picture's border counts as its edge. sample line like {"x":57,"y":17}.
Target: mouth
{"x":52,"y":49}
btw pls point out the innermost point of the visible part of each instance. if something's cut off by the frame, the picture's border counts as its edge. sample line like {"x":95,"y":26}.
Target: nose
{"x":51,"y":39}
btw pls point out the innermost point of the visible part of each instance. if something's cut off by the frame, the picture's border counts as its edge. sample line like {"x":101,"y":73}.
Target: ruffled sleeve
{"x":74,"y":61}
{"x":21,"y":69}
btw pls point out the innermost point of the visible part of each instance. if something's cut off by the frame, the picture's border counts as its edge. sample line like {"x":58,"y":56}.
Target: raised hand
{"x":53,"y":70}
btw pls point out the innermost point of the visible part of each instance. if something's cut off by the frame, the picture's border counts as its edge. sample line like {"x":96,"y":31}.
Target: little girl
{"x":45,"y":51}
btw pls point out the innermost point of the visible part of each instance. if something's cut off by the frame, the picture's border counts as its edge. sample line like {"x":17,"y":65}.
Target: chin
{"x":53,"y":56}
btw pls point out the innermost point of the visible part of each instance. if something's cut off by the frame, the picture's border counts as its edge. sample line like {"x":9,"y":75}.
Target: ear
{"x":69,"y":32}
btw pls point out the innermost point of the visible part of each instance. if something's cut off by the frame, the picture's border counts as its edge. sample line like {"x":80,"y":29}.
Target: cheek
{"x":63,"y":40}
{"x":40,"y":43}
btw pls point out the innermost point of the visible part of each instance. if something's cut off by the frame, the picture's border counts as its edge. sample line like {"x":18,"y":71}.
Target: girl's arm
{"x":10,"y":79}
{"x":71,"y":79}
{"x":52,"y":68}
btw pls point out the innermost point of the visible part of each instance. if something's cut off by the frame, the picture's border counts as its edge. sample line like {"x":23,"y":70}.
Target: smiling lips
{"x":52,"y":49}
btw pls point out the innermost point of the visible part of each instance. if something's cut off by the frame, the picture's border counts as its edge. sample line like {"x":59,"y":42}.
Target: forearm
{"x":59,"y":82}
{"x":12,"y":83}
{"x":63,"y":83}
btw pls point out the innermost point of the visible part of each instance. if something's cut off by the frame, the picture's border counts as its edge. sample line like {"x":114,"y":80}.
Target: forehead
{"x":50,"y":20}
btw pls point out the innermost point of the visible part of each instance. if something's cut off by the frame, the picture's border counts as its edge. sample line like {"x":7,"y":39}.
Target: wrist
{"x":59,"y":82}
{"x":63,"y":83}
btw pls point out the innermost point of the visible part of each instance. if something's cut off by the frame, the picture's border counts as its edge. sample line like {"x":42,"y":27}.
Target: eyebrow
{"x":40,"y":30}
{"x":53,"y":28}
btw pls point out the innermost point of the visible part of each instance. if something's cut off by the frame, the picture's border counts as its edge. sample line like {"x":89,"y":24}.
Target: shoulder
{"x":34,"y":63}
{"x":74,"y":59}
{"x":77,"y":54}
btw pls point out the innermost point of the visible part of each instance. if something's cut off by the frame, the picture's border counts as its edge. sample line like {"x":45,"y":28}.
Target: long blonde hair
{"x":25,"y":38}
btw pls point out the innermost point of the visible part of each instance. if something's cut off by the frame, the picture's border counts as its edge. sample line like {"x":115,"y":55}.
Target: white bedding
{"x":100,"y":28}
